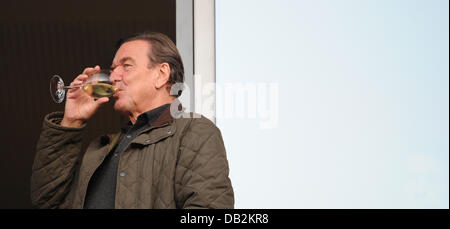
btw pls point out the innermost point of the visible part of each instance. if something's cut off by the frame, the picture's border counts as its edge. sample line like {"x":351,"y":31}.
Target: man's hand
{"x":79,"y":105}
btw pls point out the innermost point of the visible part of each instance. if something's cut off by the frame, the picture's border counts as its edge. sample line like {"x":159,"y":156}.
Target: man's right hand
{"x":79,"y":105}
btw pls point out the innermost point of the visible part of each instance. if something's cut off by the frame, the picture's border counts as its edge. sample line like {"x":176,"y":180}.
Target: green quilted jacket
{"x":176,"y":163}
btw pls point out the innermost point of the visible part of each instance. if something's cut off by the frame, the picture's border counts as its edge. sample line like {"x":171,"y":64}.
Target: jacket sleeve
{"x":58,"y":153}
{"x":201,"y":178}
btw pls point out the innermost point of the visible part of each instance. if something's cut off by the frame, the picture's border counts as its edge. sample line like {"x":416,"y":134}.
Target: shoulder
{"x":195,"y":122}
{"x":196,"y":128}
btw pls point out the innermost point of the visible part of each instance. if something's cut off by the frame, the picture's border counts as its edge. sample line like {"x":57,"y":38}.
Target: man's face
{"x":135,"y":81}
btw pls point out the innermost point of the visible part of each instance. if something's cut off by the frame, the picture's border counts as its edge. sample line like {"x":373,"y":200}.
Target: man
{"x":161,"y":159}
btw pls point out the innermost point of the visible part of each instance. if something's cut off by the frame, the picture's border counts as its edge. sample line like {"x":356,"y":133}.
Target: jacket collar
{"x":163,"y":120}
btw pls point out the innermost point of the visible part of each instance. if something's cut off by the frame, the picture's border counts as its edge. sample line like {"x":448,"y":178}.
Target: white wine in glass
{"x":97,"y":85}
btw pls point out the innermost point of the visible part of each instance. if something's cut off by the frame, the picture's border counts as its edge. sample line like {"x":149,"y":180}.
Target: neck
{"x":135,"y":114}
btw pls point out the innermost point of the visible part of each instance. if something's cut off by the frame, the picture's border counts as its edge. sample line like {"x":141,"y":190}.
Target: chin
{"x":118,"y":106}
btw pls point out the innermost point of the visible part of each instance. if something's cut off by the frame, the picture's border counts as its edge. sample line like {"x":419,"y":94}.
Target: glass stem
{"x":72,"y":87}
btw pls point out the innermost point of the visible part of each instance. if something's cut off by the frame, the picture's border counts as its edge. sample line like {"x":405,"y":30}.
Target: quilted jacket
{"x":176,"y":163}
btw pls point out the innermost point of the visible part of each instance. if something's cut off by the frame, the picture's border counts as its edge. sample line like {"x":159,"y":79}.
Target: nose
{"x":115,"y":76}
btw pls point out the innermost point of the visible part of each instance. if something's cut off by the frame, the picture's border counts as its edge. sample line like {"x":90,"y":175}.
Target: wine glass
{"x":97,"y":85}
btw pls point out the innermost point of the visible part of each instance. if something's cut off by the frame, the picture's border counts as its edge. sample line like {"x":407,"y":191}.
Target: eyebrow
{"x":122,"y":60}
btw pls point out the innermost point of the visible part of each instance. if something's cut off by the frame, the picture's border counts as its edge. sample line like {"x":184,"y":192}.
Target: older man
{"x":159,"y":160}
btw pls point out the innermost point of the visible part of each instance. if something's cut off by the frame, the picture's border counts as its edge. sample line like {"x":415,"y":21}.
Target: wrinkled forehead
{"x":136,"y":50}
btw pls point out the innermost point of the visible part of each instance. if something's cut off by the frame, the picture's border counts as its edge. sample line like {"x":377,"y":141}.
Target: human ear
{"x":163,"y":75}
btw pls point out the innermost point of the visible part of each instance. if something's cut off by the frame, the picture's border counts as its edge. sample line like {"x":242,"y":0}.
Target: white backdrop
{"x":335,"y":104}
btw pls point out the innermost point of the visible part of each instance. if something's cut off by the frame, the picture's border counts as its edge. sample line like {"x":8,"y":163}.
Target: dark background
{"x":39,"y":39}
